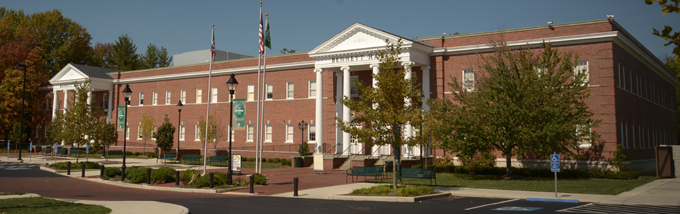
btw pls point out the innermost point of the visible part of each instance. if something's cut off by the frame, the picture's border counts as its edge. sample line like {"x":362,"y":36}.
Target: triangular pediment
{"x":69,"y":73}
{"x":357,"y":37}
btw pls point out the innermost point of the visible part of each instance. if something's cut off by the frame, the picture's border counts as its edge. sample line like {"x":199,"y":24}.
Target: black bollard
{"x":68,"y":168}
{"x":295,"y":186}
{"x":148,"y":175}
{"x":101,"y":173}
{"x":176,"y":178}
{"x":211,"y":179}
{"x":252,"y":183}
{"x":122,"y":174}
{"x":83,"y":167}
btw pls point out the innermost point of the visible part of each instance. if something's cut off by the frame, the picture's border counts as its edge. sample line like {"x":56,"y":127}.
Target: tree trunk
{"x":508,"y":164}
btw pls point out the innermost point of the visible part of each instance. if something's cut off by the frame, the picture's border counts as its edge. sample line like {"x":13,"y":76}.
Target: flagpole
{"x":207,"y":112}
{"x":257,"y":123}
{"x":264,"y":77}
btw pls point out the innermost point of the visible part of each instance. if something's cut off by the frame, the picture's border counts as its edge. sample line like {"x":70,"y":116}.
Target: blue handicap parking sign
{"x":555,"y":160}
{"x":555,"y":169}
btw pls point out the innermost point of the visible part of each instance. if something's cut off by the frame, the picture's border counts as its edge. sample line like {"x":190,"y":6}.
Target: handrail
{"x":343,"y":151}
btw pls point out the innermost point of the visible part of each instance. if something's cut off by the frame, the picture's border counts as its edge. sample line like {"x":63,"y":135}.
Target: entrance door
{"x":664,"y":162}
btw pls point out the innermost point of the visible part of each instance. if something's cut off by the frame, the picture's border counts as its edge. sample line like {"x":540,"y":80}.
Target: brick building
{"x":633,"y":93}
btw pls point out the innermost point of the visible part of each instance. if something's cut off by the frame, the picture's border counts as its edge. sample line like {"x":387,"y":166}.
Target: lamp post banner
{"x":240,"y":114}
{"x":121,"y":118}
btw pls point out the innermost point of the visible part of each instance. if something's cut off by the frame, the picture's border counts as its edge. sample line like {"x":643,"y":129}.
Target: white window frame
{"x":139,"y":132}
{"x":268,"y":133}
{"x":155,"y":98}
{"x":105,"y":101}
{"x":168,"y":96}
{"x":468,"y":84}
{"x":199,"y":95}
{"x":311,"y":131}
{"x":183,"y":95}
{"x":213,"y":95}
{"x":249,"y":133}
{"x":196,"y":137}
{"x":584,"y":144}
{"x":311,"y":89}
{"x":289,"y":90}
{"x":182,"y":132}
{"x":290,"y":133}
{"x":269,"y":87}
{"x":583,"y":64}
{"x":141,"y":98}
{"x":251,"y":92}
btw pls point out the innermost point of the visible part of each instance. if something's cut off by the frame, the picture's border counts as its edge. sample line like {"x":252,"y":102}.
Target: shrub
{"x":375,"y":190}
{"x":137,"y":153}
{"x":186,"y":176}
{"x":64,"y":165}
{"x":163,"y":175}
{"x":303,"y":149}
{"x":264,"y":160}
{"x":241,"y":182}
{"x":151,"y":154}
{"x":111,"y":171}
{"x":203,"y":181}
{"x":619,"y":159}
{"x":410,"y":190}
{"x":136,"y":174}
{"x":260,"y":179}
{"x":274,"y":160}
{"x":128,"y":153}
{"x":286,"y":162}
{"x":219,"y":178}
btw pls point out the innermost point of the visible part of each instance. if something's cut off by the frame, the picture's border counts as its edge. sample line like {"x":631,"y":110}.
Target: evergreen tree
{"x":150,"y":58}
{"x":123,"y":55}
{"x":163,"y":59}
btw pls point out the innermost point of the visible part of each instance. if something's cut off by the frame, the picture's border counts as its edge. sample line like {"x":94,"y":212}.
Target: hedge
{"x":530,"y":172}
{"x":64,"y":165}
{"x":163,"y":175}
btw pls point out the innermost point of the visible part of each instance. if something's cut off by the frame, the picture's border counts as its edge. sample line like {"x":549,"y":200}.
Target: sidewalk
{"x":122,"y":207}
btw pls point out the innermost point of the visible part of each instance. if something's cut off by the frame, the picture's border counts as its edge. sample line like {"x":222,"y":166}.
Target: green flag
{"x":267,"y":40}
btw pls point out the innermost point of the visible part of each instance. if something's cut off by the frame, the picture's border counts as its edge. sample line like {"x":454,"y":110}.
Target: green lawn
{"x":586,"y":186}
{"x":40,"y":205}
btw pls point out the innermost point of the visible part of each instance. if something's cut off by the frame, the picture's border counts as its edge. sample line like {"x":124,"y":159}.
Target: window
{"x":582,"y":66}
{"x":141,"y":98}
{"x":585,"y":140}
{"x":153,"y":133}
{"x":196,"y":133}
{"x":268,"y":133}
{"x":270,"y":91}
{"x":312,"y":89}
{"x":233,"y":135}
{"x":354,"y":90}
{"x":181,"y":132}
{"x":289,"y":133}
{"x":37,"y":132}
{"x":249,"y":129}
{"x":251,"y":92}
{"x":167,"y":97}
{"x":199,"y":95}
{"x":290,"y":90}
{"x":311,"y":132}
{"x":105,"y":102}
{"x":155,"y":98}
{"x":213,"y":95}
{"x":139,"y":132}
{"x":127,"y":131}
{"x":469,"y":79}
{"x":183,"y":95}
{"x":47,"y":103}
{"x":619,"y":75}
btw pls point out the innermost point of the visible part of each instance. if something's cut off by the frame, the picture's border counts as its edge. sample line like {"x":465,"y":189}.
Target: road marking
{"x":618,"y":209}
{"x":511,"y":200}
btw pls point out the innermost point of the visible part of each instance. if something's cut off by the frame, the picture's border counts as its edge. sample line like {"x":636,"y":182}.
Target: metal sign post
{"x":555,"y":167}
{"x":55,"y":152}
{"x":8,"y":150}
{"x":87,"y":152}
{"x":30,"y":150}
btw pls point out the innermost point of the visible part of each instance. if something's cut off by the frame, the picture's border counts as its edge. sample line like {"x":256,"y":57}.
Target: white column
{"x":55,"y":101}
{"x":345,"y":110}
{"x":408,"y":129}
{"x":426,"y":97}
{"x":65,"y":99}
{"x":109,"y":105}
{"x":89,"y":99}
{"x":338,"y":111}
{"x":376,"y":70}
{"x":319,"y":111}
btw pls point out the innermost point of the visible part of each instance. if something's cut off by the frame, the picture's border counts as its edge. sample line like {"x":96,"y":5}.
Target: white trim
{"x":141,"y":98}
{"x":182,"y":132}
{"x":213,"y":94}
{"x":251,"y":91}
{"x":196,"y":137}
{"x":290,"y":134}
{"x":154,"y":98}
{"x":311,"y":128}
{"x":183,"y":95}
{"x":288,"y":84}
{"x":168,"y":97}
{"x":249,"y":133}
{"x":268,"y":129}
{"x":309,"y":89}
{"x":199,"y":95}
{"x":267,"y":87}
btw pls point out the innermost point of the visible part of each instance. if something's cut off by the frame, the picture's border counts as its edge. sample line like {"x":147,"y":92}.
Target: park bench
{"x":167,"y":156}
{"x":364,"y":171}
{"x":74,"y":151}
{"x":112,"y":153}
{"x":196,"y":158}
{"x":217,"y":159}
{"x":62,"y":151}
{"x":46,"y":151}
{"x":419,"y":174}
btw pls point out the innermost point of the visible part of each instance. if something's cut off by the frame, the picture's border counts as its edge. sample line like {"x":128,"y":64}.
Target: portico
{"x":351,"y":56}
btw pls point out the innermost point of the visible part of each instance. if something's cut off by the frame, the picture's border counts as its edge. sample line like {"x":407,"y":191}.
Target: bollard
{"x":101,"y":173}
{"x":252,"y":183}
{"x":211,"y":179}
{"x":295,"y":186}
{"x":148,"y":175}
{"x":122,"y":174}
{"x":68,"y":168}
{"x":176,"y":178}
{"x":83,"y":168}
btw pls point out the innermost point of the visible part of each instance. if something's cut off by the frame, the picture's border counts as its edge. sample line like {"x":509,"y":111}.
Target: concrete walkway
{"x":122,"y":207}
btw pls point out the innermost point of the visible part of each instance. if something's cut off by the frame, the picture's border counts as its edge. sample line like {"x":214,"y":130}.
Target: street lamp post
{"x":231,"y":84}
{"x":21,"y":125}
{"x":302,"y":125}
{"x":127,"y":93}
{"x":179,"y":126}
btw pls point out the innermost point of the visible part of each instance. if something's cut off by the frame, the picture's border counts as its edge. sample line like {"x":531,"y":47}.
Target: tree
{"x":62,"y":39}
{"x":147,"y":128}
{"x":155,"y":57}
{"x":165,"y":135}
{"x":673,"y":63}
{"x":99,"y":53}
{"x":381,"y":112}
{"x":213,"y":132}
{"x":221,"y":133}
{"x":524,"y":101}
{"x":77,"y":122}
{"x":123,"y":55}
{"x":286,"y":51}
{"x":666,"y":32}
{"x":104,"y":135}
{"x":163,"y":59}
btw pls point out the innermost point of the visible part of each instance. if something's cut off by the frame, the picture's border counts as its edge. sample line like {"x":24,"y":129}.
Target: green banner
{"x":121,"y":118}
{"x":240,"y":114}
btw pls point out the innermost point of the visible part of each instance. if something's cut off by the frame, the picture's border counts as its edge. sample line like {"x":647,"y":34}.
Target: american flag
{"x":261,"y":34}
{"x":212,"y":47}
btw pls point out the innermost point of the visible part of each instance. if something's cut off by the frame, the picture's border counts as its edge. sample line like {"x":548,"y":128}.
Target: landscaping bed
{"x":387,"y":190}
{"x":40,"y":205}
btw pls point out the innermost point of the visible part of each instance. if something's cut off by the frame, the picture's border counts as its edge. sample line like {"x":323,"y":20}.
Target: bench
{"x":217,"y":159}
{"x":196,"y":158}
{"x":112,"y":153}
{"x":419,"y":174}
{"x":167,"y":156}
{"x":74,"y":151}
{"x":46,"y":151}
{"x":62,"y":151}
{"x":364,"y":171}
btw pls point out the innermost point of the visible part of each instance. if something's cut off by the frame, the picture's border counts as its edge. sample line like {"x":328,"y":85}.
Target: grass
{"x":408,"y":190}
{"x":12,"y":193}
{"x":584,"y":186}
{"x":40,"y":205}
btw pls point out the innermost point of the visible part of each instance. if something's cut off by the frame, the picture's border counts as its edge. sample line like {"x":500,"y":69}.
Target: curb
{"x":554,"y":200}
{"x":387,"y":198}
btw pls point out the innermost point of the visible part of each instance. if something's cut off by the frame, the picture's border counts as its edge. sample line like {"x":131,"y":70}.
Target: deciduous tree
{"x":147,"y":128}
{"x":165,"y":135}
{"x":667,"y":33}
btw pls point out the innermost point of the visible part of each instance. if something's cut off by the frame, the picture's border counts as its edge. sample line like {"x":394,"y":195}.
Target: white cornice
{"x":198,"y":74}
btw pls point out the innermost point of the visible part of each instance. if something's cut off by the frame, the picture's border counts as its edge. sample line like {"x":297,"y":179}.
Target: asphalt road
{"x":29,"y":178}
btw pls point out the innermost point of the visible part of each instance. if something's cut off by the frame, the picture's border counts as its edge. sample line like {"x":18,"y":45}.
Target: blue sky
{"x":182,"y":26}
